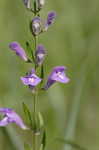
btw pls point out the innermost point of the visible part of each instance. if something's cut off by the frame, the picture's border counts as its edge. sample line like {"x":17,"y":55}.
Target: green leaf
{"x":41,"y":120}
{"x":27,"y":115}
{"x":29,"y":49}
{"x":72,"y":143}
{"x":42,"y":72}
{"x":27,"y":147}
{"x":43,"y":142}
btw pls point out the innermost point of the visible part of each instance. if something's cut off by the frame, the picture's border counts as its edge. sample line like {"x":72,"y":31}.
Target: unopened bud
{"x":50,"y":20}
{"x":36,"y":25}
{"x":27,"y":3}
{"x":41,"y":4}
{"x":40,"y":54}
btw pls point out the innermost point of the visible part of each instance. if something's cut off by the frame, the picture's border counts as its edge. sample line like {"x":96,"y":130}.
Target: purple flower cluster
{"x":32,"y":79}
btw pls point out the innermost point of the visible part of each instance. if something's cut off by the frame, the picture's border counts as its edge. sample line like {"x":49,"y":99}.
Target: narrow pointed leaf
{"x":29,"y":49}
{"x":41,"y":120}
{"x":42,"y":72}
{"x":44,"y":140}
{"x":27,"y":114}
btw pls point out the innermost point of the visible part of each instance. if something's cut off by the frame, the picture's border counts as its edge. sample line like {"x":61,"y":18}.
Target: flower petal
{"x":40,"y":54}
{"x":31,"y":79}
{"x":15,"y":118}
{"x":57,"y":75}
{"x":11,"y":117}
{"x":15,"y":46}
{"x":50,"y":19}
{"x":61,"y":78}
{"x":4,"y":122}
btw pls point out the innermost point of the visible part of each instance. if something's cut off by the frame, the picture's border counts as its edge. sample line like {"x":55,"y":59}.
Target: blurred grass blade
{"x":75,"y":106}
{"x":27,"y":115}
{"x":14,"y":138}
{"x":27,"y":147}
{"x":41,"y":147}
{"x":72,"y":143}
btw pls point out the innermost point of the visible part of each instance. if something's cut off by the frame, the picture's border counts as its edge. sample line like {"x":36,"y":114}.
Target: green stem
{"x":35,"y":100}
{"x":35,"y":45}
{"x":36,"y":92}
{"x":34,"y":133}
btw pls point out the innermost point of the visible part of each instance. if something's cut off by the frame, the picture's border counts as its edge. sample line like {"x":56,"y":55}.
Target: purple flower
{"x":15,"y":46}
{"x":40,"y":54}
{"x":31,"y":79}
{"x":57,"y":75}
{"x":50,"y":19}
{"x":36,"y":25}
{"x":11,"y":117}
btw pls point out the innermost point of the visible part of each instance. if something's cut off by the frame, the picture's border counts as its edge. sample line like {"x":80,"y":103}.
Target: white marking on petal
{"x":59,"y":74}
{"x":31,"y":80}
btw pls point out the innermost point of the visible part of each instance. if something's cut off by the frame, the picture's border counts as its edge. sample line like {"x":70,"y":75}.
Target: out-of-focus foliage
{"x":72,"y":41}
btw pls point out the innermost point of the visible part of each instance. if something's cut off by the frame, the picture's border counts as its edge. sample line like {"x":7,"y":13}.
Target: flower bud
{"x":27,"y":3}
{"x":40,"y":54}
{"x":50,"y":20}
{"x":36,"y":25}
{"x":16,"y":47}
{"x":41,"y":4}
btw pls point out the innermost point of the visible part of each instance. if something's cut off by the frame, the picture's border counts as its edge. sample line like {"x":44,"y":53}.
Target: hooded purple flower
{"x":15,"y":46}
{"x":50,"y":19}
{"x":57,"y":75}
{"x":36,"y":25}
{"x":31,"y":79}
{"x":11,"y":117}
{"x":40,"y":54}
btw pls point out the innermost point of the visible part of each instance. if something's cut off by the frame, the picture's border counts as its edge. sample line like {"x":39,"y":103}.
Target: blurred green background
{"x":70,"y":111}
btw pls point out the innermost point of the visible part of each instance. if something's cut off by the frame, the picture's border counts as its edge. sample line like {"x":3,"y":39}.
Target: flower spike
{"x":15,"y":46}
{"x":11,"y":117}
{"x":57,"y":75}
